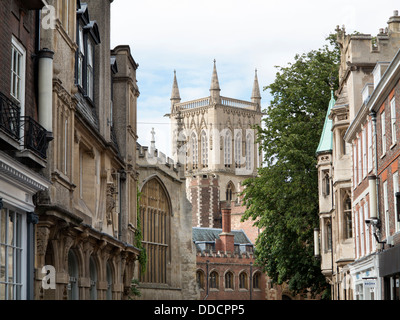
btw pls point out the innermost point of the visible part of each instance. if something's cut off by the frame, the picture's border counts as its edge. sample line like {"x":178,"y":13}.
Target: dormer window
{"x":87,"y":38}
{"x":81,"y":57}
{"x":89,"y":69}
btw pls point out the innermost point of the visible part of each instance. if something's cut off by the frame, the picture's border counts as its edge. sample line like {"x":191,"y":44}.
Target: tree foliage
{"x":283,"y":199}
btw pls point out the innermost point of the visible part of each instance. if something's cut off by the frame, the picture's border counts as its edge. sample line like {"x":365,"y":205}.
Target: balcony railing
{"x":9,"y":117}
{"x":35,"y":136}
{"x":25,"y":130}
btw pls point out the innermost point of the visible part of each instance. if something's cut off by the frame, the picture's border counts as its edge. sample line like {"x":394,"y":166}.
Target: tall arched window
{"x":230,"y":189}
{"x":256,"y":280}
{"x":348,"y":226}
{"x":73,"y":273}
{"x":93,"y":279}
{"x":195,"y":150}
{"x":249,"y":151}
{"x":228,"y":149}
{"x":214,"y":280}
{"x":200,"y":279}
{"x":327,"y":185}
{"x":328,"y":237}
{"x":156,"y":228}
{"x":243,"y":281}
{"x":238,"y":149}
{"x":229,"y":280}
{"x":204,"y":149}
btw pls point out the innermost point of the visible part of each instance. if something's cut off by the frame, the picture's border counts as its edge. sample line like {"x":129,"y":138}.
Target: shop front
{"x":389,"y":270}
{"x":365,"y":278}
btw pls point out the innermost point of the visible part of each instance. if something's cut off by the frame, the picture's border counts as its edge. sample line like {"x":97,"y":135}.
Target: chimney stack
{"x":226,"y":238}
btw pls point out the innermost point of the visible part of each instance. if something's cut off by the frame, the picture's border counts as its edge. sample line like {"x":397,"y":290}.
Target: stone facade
{"x":87,"y":218}
{"x":214,"y":139}
{"x":166,"y":220}
{"x":23,"y":145}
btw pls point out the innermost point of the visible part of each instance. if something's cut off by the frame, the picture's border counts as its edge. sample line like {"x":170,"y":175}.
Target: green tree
{"x":283,"y":198}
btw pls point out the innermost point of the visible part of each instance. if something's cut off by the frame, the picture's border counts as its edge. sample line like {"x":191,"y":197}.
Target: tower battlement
{"x":146,"y":156}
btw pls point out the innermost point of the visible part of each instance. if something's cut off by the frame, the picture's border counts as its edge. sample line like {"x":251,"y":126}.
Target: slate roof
{"x":211,"y":234}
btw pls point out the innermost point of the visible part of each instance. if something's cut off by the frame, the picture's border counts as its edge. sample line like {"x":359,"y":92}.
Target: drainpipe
{"x":376,"y":220}
{"x":373,"y":116}
{"x":207,"y":283}
{"x":251,"y":279}
{"x":45,"y":90}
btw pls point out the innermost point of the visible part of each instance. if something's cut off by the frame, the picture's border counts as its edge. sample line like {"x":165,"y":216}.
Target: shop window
{"x":12,"y":260}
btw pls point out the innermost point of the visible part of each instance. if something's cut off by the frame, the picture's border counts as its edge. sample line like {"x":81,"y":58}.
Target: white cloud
{"x":187,"y":35}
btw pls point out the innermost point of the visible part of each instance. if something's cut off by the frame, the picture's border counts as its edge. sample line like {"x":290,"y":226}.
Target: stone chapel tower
{"x":214,"y":139}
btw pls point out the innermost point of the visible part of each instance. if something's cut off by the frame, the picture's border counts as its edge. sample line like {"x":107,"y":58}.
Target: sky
{"x":187,"y":35}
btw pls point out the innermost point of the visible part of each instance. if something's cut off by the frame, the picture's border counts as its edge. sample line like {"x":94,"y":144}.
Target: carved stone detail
{"x":110,"y":202}
{"x":42,"y":234}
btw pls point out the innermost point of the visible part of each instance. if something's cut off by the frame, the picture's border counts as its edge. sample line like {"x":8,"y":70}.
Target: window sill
{"x":382,"y":156}
{"x":393,"y":145}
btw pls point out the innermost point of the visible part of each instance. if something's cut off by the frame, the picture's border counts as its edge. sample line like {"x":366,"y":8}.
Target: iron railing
{"x":30,"y":134}
{"x":35,"y":136}
{"x":9,"y":117}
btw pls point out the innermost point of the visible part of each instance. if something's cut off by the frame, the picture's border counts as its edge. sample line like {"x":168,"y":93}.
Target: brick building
{"x":226,"y":256}
{"x":373,"y":136}
{"x":385,"y":220}
{"x":23,"y":143}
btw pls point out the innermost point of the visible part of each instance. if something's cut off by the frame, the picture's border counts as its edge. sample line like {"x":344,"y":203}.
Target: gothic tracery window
{"x":204,"y":149}
{"x":229,"y":191}
{"x":194,"y":150}
{"x":227,"y":149}
{"x":155,"y":217}
{"x":238,"y":150}
{"x":214,"y":280}
{"x":229,"y":280}
{"x":200,"y":279}
{"x":243,"y":281}
{"x":249,"y":156}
